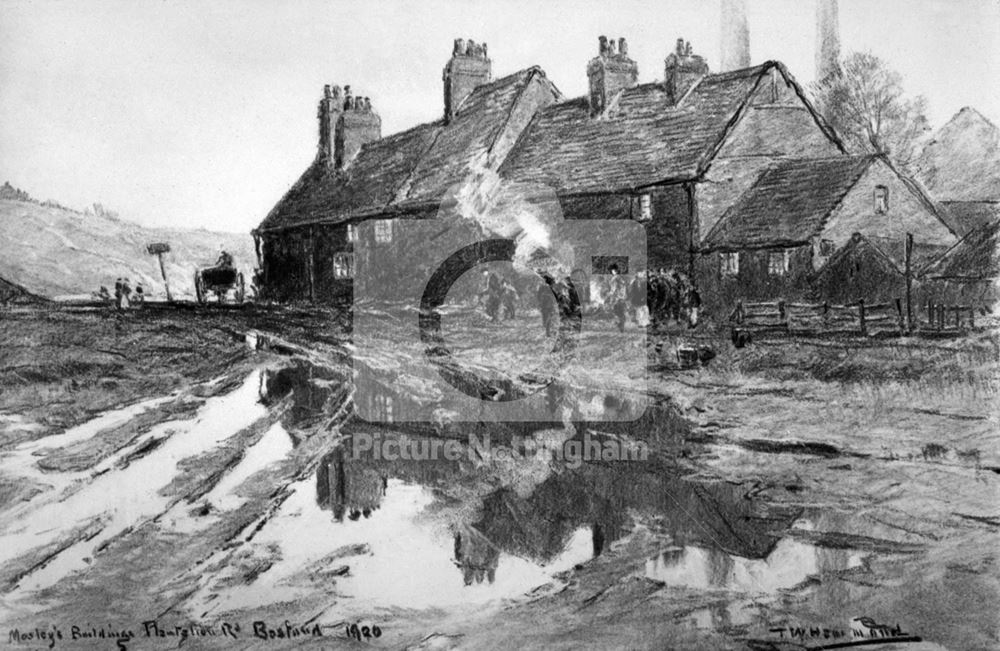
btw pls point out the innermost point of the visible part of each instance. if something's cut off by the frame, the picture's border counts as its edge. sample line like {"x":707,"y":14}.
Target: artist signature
{"x":861,"y":631}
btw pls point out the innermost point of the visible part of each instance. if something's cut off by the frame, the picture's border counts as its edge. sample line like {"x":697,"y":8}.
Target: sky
{"x":200,"y":114}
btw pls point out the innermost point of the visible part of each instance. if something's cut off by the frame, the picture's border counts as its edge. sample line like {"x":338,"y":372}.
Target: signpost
{"x":158,"y":249}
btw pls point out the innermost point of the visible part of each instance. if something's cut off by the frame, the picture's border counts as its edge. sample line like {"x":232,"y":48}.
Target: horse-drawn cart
{"x":220,"y":281}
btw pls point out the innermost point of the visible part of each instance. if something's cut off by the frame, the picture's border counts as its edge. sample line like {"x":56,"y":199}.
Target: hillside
{"x":60,"y":253}
{"x":962,"y":160}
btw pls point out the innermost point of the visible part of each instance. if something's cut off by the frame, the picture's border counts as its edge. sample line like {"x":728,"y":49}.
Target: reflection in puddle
{"x":124,"y":498}
{"x":789,"y":564}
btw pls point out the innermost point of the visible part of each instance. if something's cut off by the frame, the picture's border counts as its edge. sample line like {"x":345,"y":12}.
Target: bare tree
{"x":864,"y":101}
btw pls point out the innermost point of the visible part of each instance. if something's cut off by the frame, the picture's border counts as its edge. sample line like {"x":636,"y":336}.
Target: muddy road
{"x":223,"y":494}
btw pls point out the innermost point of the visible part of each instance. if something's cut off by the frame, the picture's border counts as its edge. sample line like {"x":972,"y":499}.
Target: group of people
{"x":499,"y":297}
{"x":124,"y":297}
{"x":647,"y":298}
{"x":652,"y":298}
{"x":670,"y":295}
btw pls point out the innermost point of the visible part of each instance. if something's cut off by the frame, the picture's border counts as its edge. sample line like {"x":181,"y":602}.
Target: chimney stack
{"x":610,"y":72}
{"x":682,"y":70}
{"x":735,"y":36}
{"x":330,"y":108}
{"x":468,"y":67}
{"x":827,"y":39}
{"x":346,"y":123}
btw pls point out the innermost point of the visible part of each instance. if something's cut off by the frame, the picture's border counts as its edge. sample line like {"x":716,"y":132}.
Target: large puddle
{"x":369,"y":533}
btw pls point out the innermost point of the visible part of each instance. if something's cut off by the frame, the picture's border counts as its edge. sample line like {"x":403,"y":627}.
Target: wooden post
{"x":158,"y":249}
{"x":908,"y":250}
{"x":972,"y":317}
{"x":861,"y":315}
{"x":940,"y":317}
{"x":782,"y":314}
{"x":826,"y":315}
{"x":930,"y":314}
{"x":312,"y":267}
{"x":899,"y":315}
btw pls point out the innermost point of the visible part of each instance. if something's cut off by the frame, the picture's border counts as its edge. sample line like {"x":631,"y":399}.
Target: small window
{"x":383,"y":231}
{"x":645,"y":208}
{"x":881,"y":200}
{"x":730,"y":263}
{"x":383,"y":407}
{"x":826,"y":248}
{"x":352,"y":233}
{"x":777,"y":262}
{"x":343,"y":265}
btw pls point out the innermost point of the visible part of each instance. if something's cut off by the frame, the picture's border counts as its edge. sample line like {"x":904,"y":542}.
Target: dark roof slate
{"x":974,"y":257}
{"x":643,"y":139}
{"x":788,"y":204}
{"x":966,"y":216}
{"x":405,"y":169}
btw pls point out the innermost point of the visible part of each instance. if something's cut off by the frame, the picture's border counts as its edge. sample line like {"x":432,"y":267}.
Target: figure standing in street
{"x":617,"y":290}
{"x":493,"y":291}
{"x":692,"y":301}
{"x":547,"y":305}
{"x":509,"y":299}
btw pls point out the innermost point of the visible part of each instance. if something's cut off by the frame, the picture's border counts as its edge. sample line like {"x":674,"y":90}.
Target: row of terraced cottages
{"x":738,"y":180}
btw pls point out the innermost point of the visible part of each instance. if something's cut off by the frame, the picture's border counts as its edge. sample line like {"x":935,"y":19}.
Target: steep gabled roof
{"x":642,"y":140}
{"x":962,"y":161}
{"x":974,"y":257}
{"x":788,"y":204}
{"x":407,"y":169}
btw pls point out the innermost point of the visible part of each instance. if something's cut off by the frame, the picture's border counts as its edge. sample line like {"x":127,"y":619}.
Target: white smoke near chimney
{"x":525,"y":213}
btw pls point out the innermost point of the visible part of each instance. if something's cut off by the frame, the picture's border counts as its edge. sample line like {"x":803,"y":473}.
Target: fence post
{"x":972,"y":317}
{"x":861,"y":315}
{"x":908,"y":257}
{"x":899,"y":314}
{"x":930,"y":314}
{"x":940,"y":316}
{"x":782,"y":315}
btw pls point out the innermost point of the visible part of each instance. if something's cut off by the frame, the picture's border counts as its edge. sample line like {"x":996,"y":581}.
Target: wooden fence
{"x":856,"y":318}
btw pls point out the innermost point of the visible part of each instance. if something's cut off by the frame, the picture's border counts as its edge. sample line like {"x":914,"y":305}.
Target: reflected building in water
{"x":348,"y":489}
{"x":476,"y":556}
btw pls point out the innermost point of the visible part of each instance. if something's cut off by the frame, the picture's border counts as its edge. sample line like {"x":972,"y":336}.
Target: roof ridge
{"x":531,"y":72}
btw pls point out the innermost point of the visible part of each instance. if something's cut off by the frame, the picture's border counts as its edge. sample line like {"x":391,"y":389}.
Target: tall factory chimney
{"x":735,"y":36}
{"x":827,"y":39}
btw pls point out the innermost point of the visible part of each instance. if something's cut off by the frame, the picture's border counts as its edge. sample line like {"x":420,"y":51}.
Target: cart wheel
{"x":241,"y":288}
{"x":199,"y":288}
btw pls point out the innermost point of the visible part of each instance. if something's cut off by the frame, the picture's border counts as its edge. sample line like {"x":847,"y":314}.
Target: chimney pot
{"x":609,"y":73}
{"x":682,"y":70}
{"x":468,"y":68}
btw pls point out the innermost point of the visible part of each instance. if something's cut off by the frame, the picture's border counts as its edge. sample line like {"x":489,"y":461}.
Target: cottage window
{"x":352,"y":233}
{"x":381,"y":405}
{"x":645,"y":208}
{"x":343,"y":265}
{"x":778,"y":262}
{"x":826,"y":248}
{"x":881,"y":199}
{"x":383,"y":231}
{"x":730,"y":263}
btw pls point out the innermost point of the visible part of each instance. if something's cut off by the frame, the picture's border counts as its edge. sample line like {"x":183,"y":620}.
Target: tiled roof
{"x":642,"y":140}
{"x":405,"y":169}
{"x":975,"y":257}
{"x":788,"y":204}
{"x":966,"y":216}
